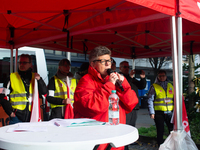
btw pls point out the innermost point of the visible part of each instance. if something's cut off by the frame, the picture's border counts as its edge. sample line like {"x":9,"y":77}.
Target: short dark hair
{"x":26,"y":56}
{"x":121,"y":63}
{"x":63,"y":62}
{"x":84,"y":66}
{"x":162,"y":71}
{"x":99,"y":51}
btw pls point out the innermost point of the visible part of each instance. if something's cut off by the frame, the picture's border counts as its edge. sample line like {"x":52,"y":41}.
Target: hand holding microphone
{"x":116,"y":78}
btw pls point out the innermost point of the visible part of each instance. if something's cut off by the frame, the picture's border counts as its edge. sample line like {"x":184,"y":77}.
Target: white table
{"x":70,"y":138}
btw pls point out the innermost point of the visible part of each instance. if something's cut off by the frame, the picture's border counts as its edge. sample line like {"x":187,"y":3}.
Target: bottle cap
{"x":113,"y":91}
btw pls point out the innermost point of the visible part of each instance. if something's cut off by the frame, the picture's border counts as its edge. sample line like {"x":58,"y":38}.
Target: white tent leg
{"x":133,"y":65}
{"x":16,"y":58}
{"x":11,"y":59}
{"x":178,"y":139}
{"x":180,"y":72}
{"x":175,"y":73}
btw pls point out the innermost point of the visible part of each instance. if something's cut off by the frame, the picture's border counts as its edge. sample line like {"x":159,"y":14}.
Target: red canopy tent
{"x":130,"y":27}
{"x":148,"y":39}
{"x":118,"y":24}
{"x":27,"y":24}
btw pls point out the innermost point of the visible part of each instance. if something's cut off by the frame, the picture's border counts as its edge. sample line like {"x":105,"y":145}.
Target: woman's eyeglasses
{"x":103,"y":61}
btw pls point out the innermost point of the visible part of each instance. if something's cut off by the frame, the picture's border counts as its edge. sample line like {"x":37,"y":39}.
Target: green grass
{"x":151,"y":132}
{"x":194,"y":124}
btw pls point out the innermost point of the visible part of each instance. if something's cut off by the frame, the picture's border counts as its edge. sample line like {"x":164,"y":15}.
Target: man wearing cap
{"x":61,"y":90}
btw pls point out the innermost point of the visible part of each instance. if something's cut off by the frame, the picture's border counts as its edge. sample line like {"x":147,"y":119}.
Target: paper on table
{"x":30,"y":127}
{"x":42,"y":126}
{"x":32,"y":124}
{"x":27,"y":129}
{"x":87,"y":123}
{"x":75,"y":122}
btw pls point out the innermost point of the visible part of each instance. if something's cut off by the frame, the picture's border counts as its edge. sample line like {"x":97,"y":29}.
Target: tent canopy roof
{"x":78,"y":25}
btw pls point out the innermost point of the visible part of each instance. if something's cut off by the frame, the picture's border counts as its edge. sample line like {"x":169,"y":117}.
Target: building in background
{"x":52,"y":58}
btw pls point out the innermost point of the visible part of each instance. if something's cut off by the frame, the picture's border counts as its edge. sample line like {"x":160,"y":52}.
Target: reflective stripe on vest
{"x":61,"y":90}
{"x":161,"y":96}
{"x":18,"y":97}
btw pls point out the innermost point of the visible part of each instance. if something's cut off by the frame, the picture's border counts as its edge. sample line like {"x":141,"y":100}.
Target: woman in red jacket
{"x":93,"y":89}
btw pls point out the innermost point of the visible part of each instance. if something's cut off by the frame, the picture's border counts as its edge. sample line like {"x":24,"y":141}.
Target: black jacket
{"x":135,"y":85}
{"x":23,"y":115}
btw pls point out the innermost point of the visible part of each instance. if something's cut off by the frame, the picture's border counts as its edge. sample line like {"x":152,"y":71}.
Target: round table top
{"x":52,"y":137}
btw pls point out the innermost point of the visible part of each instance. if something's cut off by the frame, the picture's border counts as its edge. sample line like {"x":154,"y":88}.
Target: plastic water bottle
{"x":113,"y":108}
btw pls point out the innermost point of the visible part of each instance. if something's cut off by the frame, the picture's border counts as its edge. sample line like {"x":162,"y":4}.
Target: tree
{"x":157,"y":63}
{"x":191,"y":81}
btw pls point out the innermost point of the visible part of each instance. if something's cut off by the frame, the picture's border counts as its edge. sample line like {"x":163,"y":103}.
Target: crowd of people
{"x":88,"y":91}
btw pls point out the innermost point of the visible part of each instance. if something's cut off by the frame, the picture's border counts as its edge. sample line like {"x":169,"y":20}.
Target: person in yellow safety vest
{"x":58,"y":90}
{"x":18,"y":89}
{"x":161,"y":104}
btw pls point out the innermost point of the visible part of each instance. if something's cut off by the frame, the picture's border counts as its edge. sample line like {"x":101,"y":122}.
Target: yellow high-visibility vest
{"x":18,"y":97}
{"x":61,"y":90}
{"x":164,"y":99}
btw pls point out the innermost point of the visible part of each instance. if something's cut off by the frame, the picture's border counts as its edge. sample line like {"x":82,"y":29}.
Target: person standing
{"x":16,"y":97}
{"x":113,"y":66}
{"x":135,"y":85}
{"x":58,"y":90}
{"x":92,"y":92}
{"x":161,"y":104}
{"x":82,"y":71}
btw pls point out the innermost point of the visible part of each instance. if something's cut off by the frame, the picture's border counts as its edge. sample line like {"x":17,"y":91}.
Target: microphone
{"x":118,"y":83}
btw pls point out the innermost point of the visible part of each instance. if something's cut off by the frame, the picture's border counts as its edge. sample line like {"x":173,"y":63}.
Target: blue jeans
{"x":14,"y":120}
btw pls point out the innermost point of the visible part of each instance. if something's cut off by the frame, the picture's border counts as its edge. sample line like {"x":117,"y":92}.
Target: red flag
{"x":185,"y":119}
{"x":69,"y":113}
{"x":185,"y":122}
{"x":35,"y":109}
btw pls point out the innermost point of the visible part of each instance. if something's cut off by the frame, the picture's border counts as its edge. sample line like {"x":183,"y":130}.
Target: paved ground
{"x":143,"y":146}
{"x":143,"y":120}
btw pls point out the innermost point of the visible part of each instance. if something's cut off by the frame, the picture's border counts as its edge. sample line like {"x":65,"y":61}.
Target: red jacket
{"x":91,"y":97}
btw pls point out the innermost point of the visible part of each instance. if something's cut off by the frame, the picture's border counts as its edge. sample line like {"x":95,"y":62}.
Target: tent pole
{"x":16,"y":58}
{"x":11,"y":59}
{"x":69,"y":57}
{"x":180,"y":71}
{"x":175,"y":73}
{"x":133,"y":65}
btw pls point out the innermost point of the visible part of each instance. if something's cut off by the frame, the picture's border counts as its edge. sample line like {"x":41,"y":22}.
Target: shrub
{"x":194,"y":123}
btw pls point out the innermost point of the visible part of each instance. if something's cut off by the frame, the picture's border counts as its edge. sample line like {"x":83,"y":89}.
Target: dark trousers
{"x":14,"y":120}
{"x":131,"y":120}
{"x":160,"y":119}
{"x":131,"y":117}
